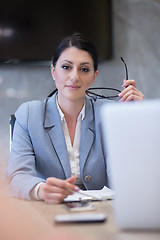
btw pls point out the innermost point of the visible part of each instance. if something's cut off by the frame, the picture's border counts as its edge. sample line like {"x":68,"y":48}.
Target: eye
{"x":85,"y":69}
{"x":65,"y":67}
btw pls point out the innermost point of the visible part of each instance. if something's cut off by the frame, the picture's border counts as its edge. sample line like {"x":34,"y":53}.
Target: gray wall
{"x":136,"y":37}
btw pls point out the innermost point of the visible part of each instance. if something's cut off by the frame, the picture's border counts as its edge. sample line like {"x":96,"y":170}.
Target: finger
{"x":55,"y":194}
{"x":129,"y":91}
{"x":48,"y":189}
{"x":55,"y":182}
{"x":129,"y":88}
{"x":132,"y":95}
{"x":71,"y":187}
{"x":62,"y":184}
{"x":126,"y":83}
{"x":71,"y":179}
{"x":135,"y":97}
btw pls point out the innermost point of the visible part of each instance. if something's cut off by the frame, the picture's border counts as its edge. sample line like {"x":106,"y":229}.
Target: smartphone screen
{"x":79,"y":206}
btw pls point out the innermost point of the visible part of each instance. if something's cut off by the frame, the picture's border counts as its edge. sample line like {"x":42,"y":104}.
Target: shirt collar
{"x":81,"y":114}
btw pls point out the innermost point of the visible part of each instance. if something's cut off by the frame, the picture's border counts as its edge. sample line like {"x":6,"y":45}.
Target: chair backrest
{"x":11,"y":127}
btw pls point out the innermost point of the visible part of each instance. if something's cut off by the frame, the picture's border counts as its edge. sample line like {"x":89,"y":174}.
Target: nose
{"x":74,"y":77}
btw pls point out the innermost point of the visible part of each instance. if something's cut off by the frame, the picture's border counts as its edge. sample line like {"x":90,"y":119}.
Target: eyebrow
{"x":72,"y":62}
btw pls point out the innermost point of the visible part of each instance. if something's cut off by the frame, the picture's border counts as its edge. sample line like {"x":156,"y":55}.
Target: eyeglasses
{"x":126,"y":69}
{"x":110,"y":93}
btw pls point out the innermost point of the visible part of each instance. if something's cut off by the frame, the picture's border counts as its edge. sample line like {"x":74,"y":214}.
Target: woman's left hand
{"x":130,"y":92}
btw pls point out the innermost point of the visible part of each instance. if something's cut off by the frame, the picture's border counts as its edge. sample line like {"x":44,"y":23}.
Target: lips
{"x":72,"y":86}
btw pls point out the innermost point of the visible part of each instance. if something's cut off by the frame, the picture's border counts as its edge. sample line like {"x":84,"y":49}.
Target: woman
{"x":57,"y":144}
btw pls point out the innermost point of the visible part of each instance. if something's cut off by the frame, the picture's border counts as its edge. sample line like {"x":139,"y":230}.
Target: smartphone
{"x":80,"y":218}
{"x":79,"y":206}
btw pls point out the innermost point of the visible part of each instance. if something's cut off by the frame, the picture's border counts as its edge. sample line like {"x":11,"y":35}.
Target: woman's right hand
{"x":54,"y":190}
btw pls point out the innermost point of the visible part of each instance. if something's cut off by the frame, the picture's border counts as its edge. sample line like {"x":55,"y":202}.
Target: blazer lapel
{"x":52,"y":121}
{"x":87,"y":133}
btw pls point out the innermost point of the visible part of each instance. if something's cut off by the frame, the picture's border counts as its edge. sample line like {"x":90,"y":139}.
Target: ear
{"x":94,"y":77}
{"x":53,"y":71}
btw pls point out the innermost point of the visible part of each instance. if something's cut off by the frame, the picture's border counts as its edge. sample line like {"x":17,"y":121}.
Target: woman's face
{"x":73,"y":73}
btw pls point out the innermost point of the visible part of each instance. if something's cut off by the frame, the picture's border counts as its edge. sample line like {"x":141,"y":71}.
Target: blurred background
{"x":30,"y":32}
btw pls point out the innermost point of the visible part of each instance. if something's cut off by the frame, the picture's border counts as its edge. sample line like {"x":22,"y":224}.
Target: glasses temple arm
{"x":125,"y":65}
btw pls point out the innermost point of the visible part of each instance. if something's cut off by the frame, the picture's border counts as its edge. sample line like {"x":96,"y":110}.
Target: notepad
{"x":103,"y":194}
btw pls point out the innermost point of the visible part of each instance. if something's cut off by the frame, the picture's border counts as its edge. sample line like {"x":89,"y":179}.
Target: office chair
{"x":11,"y":127}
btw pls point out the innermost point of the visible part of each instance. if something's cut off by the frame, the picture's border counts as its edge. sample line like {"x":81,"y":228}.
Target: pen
{"x":88,"y":195}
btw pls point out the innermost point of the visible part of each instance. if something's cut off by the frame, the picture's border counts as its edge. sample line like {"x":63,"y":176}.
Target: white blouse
{"x":73,"y":151}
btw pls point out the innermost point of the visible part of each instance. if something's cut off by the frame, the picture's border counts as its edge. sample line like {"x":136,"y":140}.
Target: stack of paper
{"x":103,"y":194}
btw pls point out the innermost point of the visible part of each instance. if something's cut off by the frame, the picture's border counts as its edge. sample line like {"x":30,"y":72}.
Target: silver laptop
{"x":132,"y":141}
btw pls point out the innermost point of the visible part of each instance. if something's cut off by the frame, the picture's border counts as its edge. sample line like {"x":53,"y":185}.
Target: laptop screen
{"x":132,"y":142}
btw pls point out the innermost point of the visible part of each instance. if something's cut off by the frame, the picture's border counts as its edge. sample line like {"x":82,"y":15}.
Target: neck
{"x":70,"y":108}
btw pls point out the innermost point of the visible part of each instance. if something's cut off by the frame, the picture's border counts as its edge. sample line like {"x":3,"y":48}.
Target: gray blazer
{"x":39,"y":149}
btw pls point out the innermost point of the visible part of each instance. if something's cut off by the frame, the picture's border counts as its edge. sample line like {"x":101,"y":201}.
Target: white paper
{"x":103,"y":194}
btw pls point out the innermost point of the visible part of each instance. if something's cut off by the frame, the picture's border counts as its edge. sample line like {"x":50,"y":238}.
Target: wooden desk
{"x":44,"y":218}
{"x":93,"y":231}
